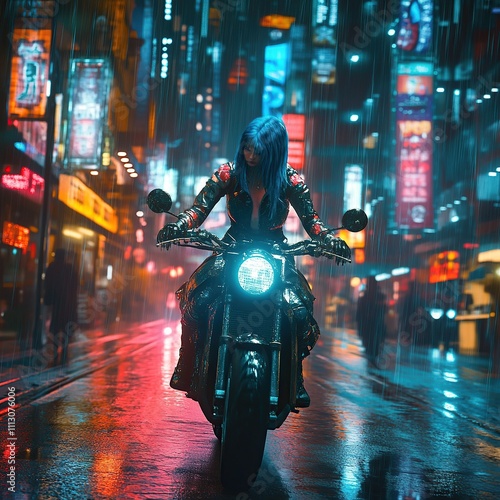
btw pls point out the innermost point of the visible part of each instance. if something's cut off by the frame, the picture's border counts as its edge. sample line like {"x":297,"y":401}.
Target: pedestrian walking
{"x":61,"y":286}
{"x":370,"y":316}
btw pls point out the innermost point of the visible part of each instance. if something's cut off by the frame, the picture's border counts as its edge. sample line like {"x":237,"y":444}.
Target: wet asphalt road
{"x":123,"y":433}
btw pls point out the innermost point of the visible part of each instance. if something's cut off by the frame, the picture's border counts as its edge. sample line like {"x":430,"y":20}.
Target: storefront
{"x":86,"y":227}
{"x":477,"y":315}
{"x":21,"y":193}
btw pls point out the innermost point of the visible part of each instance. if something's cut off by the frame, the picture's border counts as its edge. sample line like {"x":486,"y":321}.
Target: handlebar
{"x":205,"y":240}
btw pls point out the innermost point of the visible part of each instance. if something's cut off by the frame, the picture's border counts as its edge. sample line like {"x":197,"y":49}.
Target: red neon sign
{"x":26,"y":182}
{"x":444,"y":266}
{"x":15,"y":235}
{"x":414,"y":189}
{"x":296,"y":128}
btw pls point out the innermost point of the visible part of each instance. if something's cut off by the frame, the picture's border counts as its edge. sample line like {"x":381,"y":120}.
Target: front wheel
{"x":246,"y":417}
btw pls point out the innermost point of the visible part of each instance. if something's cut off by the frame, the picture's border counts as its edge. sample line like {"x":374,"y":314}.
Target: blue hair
{"x":269,"y":138}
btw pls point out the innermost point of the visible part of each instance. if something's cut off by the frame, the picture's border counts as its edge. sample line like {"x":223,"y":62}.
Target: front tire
{"x":246,"y":417}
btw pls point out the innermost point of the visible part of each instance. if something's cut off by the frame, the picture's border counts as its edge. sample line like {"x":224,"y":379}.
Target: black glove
{"x":338,"y":247}
{"x":171,"y":231}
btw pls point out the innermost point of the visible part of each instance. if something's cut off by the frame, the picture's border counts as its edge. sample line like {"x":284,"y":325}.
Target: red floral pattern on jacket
{"x":296,"y":179}
{"x":224,"y":172}
{"x":239,"y":205}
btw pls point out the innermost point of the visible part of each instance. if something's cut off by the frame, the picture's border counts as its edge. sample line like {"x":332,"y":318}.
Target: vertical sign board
{"x":414,"y":207}
{"x":414,"y":194}
{"x":415,"y":27}
{"x":353,"y":187}
{"x":276,"y":69}
{"x":414,"y":106}
{"x":353,"y":198}
{"x":324,"y":41}
{"x":29,"y":70}
{"x":296,"y":128}
{"x":89,"y":91}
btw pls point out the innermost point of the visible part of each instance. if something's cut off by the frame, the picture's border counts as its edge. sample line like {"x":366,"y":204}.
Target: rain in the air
{"x":250,"y":249}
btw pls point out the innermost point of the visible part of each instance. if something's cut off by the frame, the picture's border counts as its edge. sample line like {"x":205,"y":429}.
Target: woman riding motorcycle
{"x":259,"y":188}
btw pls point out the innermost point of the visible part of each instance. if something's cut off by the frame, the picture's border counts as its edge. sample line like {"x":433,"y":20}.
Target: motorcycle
{"x":246,"y":370}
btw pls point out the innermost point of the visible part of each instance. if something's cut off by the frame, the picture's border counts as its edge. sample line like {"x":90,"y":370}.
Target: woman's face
{"x":251,"y":157}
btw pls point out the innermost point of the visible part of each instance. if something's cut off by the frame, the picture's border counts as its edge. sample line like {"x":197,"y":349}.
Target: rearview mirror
{"x":159,"y":201}
{"x":354,"y":220}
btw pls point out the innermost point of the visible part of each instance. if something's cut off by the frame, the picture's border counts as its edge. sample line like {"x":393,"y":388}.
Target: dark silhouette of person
{"x":492,"y":286}
{"x":61,"y":286}
{"x":370,"y":316}
{"x":414,"y":320}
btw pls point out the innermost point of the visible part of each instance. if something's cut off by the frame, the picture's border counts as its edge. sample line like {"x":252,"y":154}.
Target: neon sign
{"x":88,"y":97}
{"x":414,"y":187}
{"x":77,"y":196}
{"x":30,"y":73}
{"x":15,"y":235}
{"x":26,"y":182}
{"x":415,"y":26}
{"x":324,"y":41}
{"x":296,"y":127}
{"x":444,"y":266}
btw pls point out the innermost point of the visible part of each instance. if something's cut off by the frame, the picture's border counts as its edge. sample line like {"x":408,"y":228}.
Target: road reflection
{"x":122,"y":432}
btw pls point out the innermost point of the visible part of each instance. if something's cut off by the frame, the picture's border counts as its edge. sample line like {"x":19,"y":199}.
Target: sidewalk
{"x":13,"y":356}
{"x":455,"y":384}
{"x":33,"y":373}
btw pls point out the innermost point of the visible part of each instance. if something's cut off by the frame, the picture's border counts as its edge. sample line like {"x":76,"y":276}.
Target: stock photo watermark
{"x":11,"y":444}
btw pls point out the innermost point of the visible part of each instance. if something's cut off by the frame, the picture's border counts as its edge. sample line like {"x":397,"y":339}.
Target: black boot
{"x":302,"y":399}
{"x":181,"y":378}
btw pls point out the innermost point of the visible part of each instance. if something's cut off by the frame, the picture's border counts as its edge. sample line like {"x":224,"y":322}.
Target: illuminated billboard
{"x":275,"y":74}
{"x":29,"y":72}
{"x":89,"y":91}
{"x":324,"y":41}
{"x":296,"y":128}
{"x":80,"y":198}
{"x":23,"y":180}
{"x":414,"y":206}
{"x":444,"y":266}
{"x":15,"y":235}
{"x":277,"y":21}
{"x":353,"y":187}
{"x":353,"y":198}
{"x":415,"y":27}
{"x":35,"y":138}
{"x":414,"y":91}
{"x":414,"y":113}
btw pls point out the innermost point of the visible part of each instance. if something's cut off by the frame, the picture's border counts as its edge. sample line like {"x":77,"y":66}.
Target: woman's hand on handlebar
{"x":171,"y":231}
{"x":338,"y":247}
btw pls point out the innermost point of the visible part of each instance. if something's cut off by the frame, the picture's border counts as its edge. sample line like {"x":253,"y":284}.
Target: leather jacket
{"x":239,"y":207}
{"x":205,"y":284}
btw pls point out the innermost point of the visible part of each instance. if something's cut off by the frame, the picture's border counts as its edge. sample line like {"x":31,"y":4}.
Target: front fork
{"x":226,"y":343}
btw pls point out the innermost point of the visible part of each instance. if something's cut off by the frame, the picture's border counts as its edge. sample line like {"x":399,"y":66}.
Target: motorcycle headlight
{"x":256,"y":275}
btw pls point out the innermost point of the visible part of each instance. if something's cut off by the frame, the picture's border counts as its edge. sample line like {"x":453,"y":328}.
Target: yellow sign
{"x":80,"y":198}
{"x":353,"y":240}
{"x":277,"y":21}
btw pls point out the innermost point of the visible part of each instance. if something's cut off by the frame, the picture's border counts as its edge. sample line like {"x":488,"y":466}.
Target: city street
{"x":421,"y":426}
{"x":262,"y":168}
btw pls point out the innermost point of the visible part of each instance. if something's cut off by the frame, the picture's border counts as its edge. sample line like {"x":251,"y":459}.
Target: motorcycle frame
{"x":280,"y":402}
